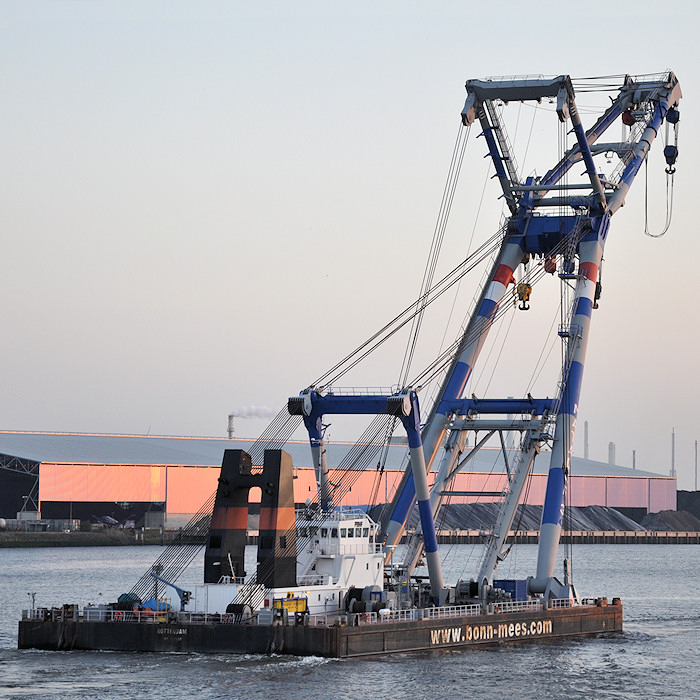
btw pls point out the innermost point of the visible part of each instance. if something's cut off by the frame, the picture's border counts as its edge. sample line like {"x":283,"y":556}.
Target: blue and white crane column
{"x":590,"y":251}
{"x":472,"y":342}
{"x":590,"y":256}
{"x":313,"y":422}
{"x":409,"y":413}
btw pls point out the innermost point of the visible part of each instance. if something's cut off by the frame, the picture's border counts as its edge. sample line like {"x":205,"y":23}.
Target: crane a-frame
{"x":563,"y":225}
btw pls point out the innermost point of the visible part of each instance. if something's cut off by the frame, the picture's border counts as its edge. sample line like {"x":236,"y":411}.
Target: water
{"x":657,"y":655}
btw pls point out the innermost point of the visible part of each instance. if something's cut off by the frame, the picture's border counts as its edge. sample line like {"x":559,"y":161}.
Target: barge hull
{"x":329,"y":641}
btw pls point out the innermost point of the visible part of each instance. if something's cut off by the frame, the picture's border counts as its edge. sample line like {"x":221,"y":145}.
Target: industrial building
{"x":165,"y":480}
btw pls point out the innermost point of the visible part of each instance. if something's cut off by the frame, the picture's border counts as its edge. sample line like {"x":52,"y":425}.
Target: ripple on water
{"x":651,"y":658}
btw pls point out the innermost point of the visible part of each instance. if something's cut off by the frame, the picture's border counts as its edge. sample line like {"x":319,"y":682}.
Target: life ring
{"x":227,"y":618}
{"x":119,"y":616}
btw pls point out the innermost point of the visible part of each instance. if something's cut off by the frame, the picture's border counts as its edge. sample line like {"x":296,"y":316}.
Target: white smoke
{"x":254,"y":412}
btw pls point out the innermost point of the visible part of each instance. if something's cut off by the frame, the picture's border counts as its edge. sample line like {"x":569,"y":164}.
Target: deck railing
{"x":517,"y":606}
{"x":94,"y":614}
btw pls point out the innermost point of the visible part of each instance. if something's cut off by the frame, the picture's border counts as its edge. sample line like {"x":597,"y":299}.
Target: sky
{"x":204,"y":205}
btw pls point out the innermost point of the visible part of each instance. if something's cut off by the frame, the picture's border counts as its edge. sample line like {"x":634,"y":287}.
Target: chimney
{"x":611,"y":453}
{"x":673,"y":453}
{"x":230,"y":425}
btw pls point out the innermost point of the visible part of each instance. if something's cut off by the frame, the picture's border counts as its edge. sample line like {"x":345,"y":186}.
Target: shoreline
{"x":107,"y":538}
{"x":131,"y":538}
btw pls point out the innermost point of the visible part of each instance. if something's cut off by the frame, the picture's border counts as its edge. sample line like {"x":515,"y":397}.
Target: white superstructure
{"x":338,"y":553}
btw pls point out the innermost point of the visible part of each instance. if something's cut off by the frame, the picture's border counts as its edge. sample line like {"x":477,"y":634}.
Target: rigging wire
{"x":469,"y":247}
{"x":550,"y":340}
{"x":669,"y":187}
{"x":403,"y":318}
{"x":176,"y":558}
{"x":485,"y":363}
{"x":436,"y":245}
{"x":529,"y":137}
{"x":449,"y":189}
{"x":533,"y":277}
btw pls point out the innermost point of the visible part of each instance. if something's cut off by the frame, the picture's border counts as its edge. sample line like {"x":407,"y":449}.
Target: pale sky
{"x":206,"y":204}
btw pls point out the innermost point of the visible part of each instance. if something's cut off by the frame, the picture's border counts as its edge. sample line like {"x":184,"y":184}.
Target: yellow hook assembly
{"x":524,"y":289}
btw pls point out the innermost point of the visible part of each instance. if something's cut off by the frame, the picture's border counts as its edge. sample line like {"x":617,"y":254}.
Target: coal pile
{"x":671,"y":521}
{"x":481,"y":516}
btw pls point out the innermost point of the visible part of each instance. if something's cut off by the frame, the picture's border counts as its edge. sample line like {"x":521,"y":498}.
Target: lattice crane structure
{"x":563,"y":226}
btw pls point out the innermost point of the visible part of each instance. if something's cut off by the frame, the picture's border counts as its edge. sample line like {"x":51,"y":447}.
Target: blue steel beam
{"x":537,"y":407}
{"x":313,"y":406}
{"x":585,"y":149}
{"x":332,"y":404}
{"x":498,"y":160}
{"x":592,"y":135}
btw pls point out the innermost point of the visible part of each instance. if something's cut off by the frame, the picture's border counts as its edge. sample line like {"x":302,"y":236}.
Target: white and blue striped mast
{"x":654,"y":99}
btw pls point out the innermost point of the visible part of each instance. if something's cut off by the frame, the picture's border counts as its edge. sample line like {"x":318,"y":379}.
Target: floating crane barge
{"x":326,"y":582}
{"x":361,"y":635}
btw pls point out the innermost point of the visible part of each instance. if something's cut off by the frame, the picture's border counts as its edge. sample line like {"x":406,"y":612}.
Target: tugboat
{"x":327,"y":581}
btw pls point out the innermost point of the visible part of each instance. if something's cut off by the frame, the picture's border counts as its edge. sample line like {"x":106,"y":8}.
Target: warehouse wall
{"x":186,"y":488}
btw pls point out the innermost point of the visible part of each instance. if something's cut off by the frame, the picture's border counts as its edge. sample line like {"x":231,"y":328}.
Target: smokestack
{"x":634,"y":459}
{"x":611,"y":453}
{"x":585,"y":440}
{"x":230,"y":425}
{"x":673,"y":453}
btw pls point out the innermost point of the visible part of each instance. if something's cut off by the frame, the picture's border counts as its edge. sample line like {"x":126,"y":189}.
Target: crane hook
{"x":524,"y":289}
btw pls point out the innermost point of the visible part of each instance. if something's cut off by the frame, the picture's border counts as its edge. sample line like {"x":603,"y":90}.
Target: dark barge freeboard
{"x":363,"y":636}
